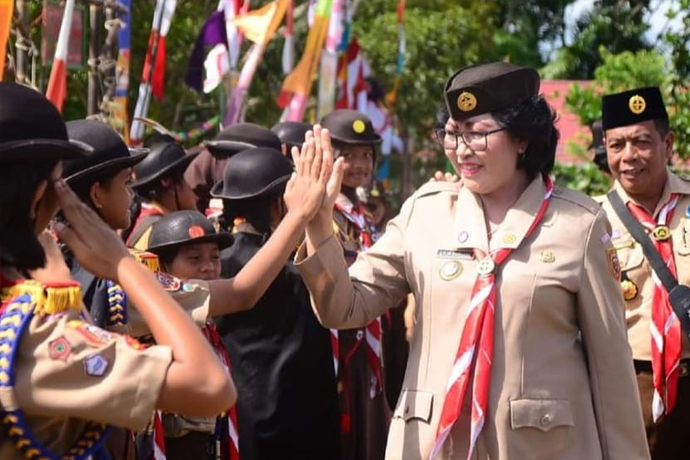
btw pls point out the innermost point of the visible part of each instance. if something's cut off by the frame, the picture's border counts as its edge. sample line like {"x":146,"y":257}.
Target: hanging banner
{"x":119,"y":119}
{"x":6,"y":13}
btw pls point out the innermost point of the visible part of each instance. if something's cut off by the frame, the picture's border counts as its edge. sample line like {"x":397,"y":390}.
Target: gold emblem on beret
{"x":661,"y":233}
{"x":637,"y":104}
{"x":358,"y":126}
{"x":629,"y":290}
{"x":467,"y":101}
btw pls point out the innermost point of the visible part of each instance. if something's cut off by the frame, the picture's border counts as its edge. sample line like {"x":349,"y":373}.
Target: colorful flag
{"x":57,"y":85}
{"x":6,"y":12}
{"x":297,"y":85}
{"x":161,"y":22}
{"x":230,"y":9}
{"x":259,"y":26}
{"x":288,"y":59}
{"x":122,"y":72}
{"x":392,"y":96}
{"x":329,"y":61}
{"x":158,"y":71}
{"x":212,"y":33}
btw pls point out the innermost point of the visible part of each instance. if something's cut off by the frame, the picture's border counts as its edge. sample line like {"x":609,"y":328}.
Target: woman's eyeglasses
{"x":474,"y":140}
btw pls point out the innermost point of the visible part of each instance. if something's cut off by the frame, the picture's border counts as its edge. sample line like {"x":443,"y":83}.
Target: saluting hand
{"x":95,"y":245}
{"x":305,"y":192}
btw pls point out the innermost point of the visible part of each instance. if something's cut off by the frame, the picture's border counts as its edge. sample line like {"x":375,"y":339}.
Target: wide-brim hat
{"x":631,"y":107}
{"x":165,"y":159}
{"x":351,"y":127}
{"x":485,"y":88}
{"x":183,"y":228}
{"x":254,"y":173}
{"x":242,"y":136}
{"x":31,"y":128}
{"x":110,"y":153}
{"x":291,"y":133}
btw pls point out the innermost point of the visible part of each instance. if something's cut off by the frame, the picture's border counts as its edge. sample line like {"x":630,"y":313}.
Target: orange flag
{"x":260,"y":25}
{"x":6,"y":8}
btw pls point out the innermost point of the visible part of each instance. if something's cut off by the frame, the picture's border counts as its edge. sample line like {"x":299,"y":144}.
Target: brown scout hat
{"x":484,"y":88}
{"x":630,"y":107}
{"x":351,"y":127}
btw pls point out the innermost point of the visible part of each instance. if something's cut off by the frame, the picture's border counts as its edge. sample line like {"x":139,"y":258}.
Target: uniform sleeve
{"x":193,"y":296}
{"x":69,"y":368}
{"x":611,"y":374}
{"x":374,"y":283}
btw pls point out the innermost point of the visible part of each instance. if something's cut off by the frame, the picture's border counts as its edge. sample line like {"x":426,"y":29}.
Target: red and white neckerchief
{"x":476,"y":349}
{"x":372,"y":333}
{"x":158,"y":437}
{"x":665,"y":326}
{"x":213,"y":337}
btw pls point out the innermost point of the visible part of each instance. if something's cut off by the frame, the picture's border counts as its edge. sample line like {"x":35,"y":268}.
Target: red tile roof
{"x":575,"y":137}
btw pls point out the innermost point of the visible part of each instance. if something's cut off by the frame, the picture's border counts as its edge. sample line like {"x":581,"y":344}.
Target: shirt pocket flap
{"x":414,"y":404}
{"x":543,"y":414}
{"x":629,"y":254}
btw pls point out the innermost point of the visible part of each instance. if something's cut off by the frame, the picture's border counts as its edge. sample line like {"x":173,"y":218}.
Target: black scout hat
{"x":630,"y":107}
{"x":485,"y":88}
{"x":164,"y":159}
{"x":253,"y":173}
{"x":350,"y":127}
{"x":291,"y":133}
{"x":242,"y":136}
{"x":31,"y":128}
{"x":110,"y":156}
{"x":181,"y":228}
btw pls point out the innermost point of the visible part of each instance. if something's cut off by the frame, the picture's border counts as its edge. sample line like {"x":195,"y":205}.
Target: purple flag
{"x":212,"y":33}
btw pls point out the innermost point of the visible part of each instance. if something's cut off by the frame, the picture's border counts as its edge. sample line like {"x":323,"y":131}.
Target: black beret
{"x":242,"y":136}
{"x":291,"y":133}
{"x":31,"y":128}
{"x":351,"y":127}
{"x":164,"y":160}
{"x":630,"y":107}
{"x":486,"y":88}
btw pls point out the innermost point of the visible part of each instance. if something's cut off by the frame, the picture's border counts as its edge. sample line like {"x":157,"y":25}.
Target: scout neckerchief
{"x":476,"y":348}
{"x":213,"y":337}
{"x":355,"y":213}
{"x":665,"y":327}
{"x":21,"y":300}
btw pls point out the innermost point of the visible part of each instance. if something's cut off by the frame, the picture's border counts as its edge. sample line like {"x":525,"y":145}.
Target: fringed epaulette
{"x":117,"y":299}
{"x":20,"y":303}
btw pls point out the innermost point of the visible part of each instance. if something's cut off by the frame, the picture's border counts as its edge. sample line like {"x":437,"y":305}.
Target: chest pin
{"x":450,"y":271}
{"x":547,"y":257}
{"x":629,"y":290}
{"x":661,"y":233}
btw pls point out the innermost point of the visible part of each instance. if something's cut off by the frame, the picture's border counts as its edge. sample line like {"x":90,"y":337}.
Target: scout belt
{"x":25,"y":300}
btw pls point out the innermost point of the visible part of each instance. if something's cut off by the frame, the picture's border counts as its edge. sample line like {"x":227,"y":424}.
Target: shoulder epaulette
{"x":433,"y":188}
{"x":24,"y":300}
{"x":577,"y":198}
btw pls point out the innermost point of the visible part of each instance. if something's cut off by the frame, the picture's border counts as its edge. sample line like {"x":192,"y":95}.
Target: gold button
{"x":545,"y":420}
{"x":509,"y":239}
{"x":547,"y":257}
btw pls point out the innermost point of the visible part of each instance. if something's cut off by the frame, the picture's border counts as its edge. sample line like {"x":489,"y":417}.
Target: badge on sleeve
{"x":93,"y":335}
{"x":613,"y":263}
{"x":59,"y":348}
{"x":96,"y":365}
{"x":169,"y":282}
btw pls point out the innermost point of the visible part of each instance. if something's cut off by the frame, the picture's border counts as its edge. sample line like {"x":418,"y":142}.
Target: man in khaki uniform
{"x":561,"y":386}
{"x":639,"y":146}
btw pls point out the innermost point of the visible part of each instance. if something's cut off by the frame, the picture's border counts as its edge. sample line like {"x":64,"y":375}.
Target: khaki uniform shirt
{"x":95,"y":375}
{"x":562,"y":382}
{"x":636,"y":268}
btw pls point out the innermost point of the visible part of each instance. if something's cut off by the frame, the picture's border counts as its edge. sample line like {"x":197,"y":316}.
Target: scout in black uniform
{"x":281,"y":356}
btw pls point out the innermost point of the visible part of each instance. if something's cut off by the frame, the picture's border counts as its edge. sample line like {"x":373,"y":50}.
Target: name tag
{"x":455,"y":254}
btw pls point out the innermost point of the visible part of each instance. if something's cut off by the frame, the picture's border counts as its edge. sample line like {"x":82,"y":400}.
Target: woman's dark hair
{"x":442,"y":116}
{"x":83,"y":188}
{"x":255,"y":211}
{"x":534,"y":121}
{"x":166,"y":257}
{"x":19,"y":246}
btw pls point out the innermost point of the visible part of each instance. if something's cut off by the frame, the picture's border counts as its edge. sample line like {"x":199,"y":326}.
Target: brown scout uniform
{"x":562,"y":383}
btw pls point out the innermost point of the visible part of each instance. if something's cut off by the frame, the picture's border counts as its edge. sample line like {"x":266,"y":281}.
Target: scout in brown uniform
{"x":161,"y":188}
{"x":63,"y":379}
{"x":516,"y":284}
{"x":207,"y":169}
{"x":639,"y":145}
{"x":363,"y":402}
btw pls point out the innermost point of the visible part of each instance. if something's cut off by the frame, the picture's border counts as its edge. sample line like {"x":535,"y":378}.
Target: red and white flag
{"x":57,"y":85}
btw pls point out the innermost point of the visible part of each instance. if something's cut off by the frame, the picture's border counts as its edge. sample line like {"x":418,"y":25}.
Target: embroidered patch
{"x":94,"y":336}
{"x":613,"y":263}
{"x":195,"y":231}
{"x":605,"y":238}
{"x":169,"y":282}
{"x":615,"y":234}
{"x":59,"y":348}
{"x":95,"y":365}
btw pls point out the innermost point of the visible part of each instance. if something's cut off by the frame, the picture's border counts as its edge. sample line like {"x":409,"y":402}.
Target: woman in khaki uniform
{"x":519,"y":351}
{"x":62,"y":379}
